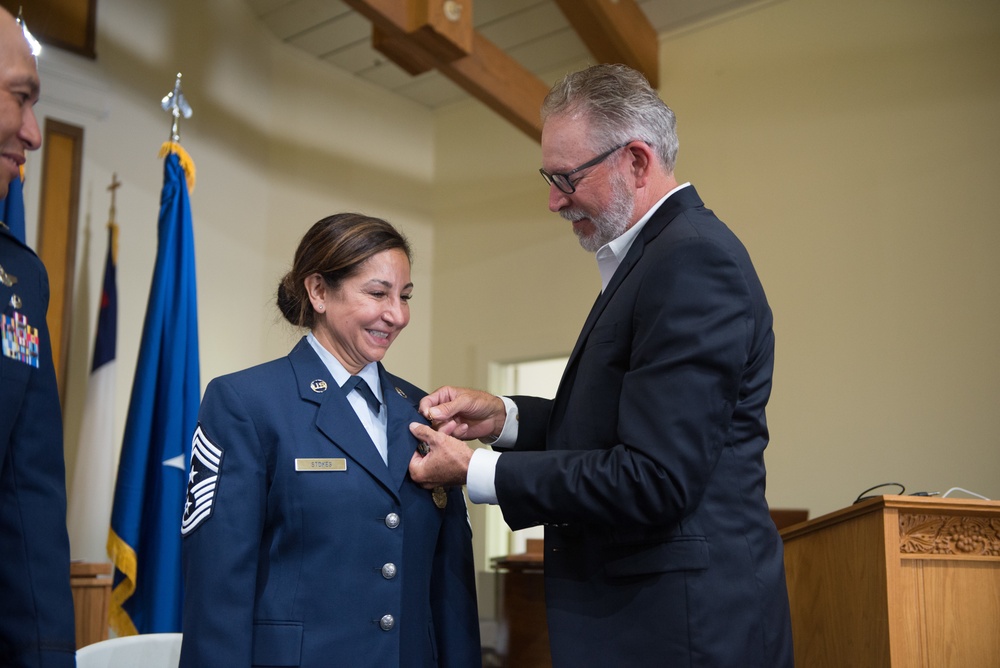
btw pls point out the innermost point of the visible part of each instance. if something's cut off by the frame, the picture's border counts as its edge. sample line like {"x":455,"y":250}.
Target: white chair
{"x":147,"y":650}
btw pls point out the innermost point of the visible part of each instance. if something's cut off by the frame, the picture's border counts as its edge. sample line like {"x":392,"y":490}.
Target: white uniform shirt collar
{"x":375,"y":425}
{"x":340,"y":375}
{"x":610,"y":255}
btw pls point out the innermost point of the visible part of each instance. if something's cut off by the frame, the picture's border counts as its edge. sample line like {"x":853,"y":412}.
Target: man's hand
{"x":464,"y":413}
{"x":446,"y":463}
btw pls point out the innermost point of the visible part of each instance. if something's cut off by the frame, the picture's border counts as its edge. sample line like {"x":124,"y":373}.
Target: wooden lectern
{"x":91,"y":587}
{"x":522,"y":608}
{"x":898,"y":581}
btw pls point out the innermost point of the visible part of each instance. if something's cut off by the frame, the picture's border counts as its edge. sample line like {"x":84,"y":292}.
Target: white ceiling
{"x":533,"y":32}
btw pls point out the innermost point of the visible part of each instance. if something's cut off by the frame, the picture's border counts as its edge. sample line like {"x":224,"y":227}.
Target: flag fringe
{"x":187,"y":164}
{"x":123,"y":557}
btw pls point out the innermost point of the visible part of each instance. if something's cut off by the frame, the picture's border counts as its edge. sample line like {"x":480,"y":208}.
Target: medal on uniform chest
{"x":439,"y":495}
{"x":20,"y":339}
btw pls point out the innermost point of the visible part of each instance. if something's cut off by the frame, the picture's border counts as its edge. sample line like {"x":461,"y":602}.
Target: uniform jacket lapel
{"x":335,"y":418}
{"x":402,"y":411}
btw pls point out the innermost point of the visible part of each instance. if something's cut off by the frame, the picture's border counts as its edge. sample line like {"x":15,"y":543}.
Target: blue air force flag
{"x":145,"y":537}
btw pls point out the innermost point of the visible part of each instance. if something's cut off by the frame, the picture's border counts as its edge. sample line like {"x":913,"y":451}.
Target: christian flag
{"x":93,"y":477}
{"x":145,"y":538}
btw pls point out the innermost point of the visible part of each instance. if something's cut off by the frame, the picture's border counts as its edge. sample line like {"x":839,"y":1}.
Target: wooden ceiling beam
{"x":447,"y":26}
{"x":440,"y":27}
{"x":616,"y":31}
{"x":402,"y":50}
{"x":502,"y":83}
{"x":486,"y":72}
{"x":419,"y":35}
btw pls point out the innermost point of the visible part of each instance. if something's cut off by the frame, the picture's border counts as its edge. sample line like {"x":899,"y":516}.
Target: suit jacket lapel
{"x":681,"y":200}
{"x":335,"y":417}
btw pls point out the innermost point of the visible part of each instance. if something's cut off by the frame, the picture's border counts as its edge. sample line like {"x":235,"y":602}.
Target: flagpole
{"x":144,"y":540}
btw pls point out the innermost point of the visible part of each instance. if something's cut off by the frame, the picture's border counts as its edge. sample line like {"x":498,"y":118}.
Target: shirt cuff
{"x":508,"y":435}
{"x":480,"y":481}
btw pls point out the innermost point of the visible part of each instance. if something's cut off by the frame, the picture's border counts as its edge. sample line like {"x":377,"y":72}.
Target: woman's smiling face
{"x":358,"y":320}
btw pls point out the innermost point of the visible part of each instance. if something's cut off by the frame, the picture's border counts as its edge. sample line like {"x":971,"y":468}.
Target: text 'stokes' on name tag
{"x":338,"y":464}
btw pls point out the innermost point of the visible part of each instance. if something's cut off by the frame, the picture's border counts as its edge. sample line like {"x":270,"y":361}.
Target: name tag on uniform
{"x":338,"y":464}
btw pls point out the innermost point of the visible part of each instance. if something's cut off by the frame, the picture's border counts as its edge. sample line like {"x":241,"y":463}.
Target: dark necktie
{"x":358,"y":383}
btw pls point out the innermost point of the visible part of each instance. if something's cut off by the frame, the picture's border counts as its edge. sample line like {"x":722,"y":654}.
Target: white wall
{"x":852,"y":146}
{"x":278,"y":140}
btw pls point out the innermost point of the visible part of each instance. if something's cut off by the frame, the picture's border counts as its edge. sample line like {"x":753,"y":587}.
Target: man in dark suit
{"x":647,"y":468}
{"x":36,"y":614}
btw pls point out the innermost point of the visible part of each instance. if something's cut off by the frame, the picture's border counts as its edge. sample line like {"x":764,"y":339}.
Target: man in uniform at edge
{"x":36,"y":620}
{"x":647,"y":468}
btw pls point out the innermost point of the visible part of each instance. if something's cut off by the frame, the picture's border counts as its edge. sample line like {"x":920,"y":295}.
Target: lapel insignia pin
{"x":400,"y":393}
{"x":7,"y":279}
{"x":15,"y":302}
{"x":318,"y":386}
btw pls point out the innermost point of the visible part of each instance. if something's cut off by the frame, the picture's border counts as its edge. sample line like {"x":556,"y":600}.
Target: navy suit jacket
{"x":36,"y":606}
{"x":301,"y":567}
{"x":647,"y":468}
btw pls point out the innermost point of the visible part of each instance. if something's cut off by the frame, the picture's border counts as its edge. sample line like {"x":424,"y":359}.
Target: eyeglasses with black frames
{"x":563,"y":181}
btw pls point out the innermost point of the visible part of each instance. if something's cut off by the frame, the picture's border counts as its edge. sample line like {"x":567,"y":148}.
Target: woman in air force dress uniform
{"x":305,"y":541}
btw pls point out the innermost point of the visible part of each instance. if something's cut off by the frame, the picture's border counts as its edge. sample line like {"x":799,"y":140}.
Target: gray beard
{"x":610,"y":223}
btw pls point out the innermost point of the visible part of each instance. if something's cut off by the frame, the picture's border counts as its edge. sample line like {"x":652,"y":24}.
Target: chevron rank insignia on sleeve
{"x":203,"y":478}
